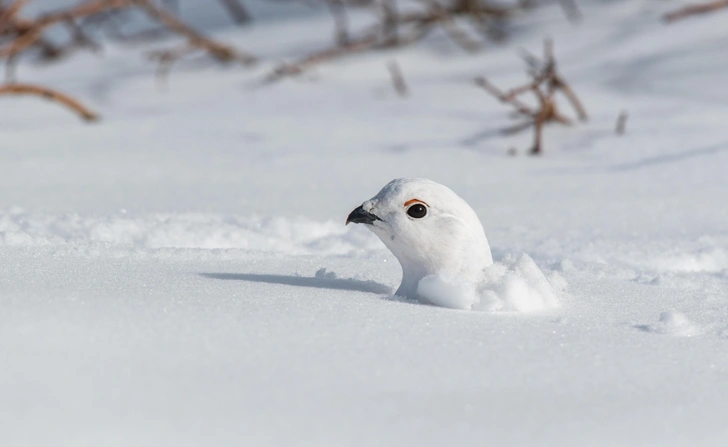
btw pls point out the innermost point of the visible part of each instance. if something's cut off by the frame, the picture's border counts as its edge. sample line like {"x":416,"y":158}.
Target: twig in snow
{"x":53,"y":95}
{"x":621,"y":123}
{"x":29,"y":33}
{"x":701,"y":8}
{"x":545,"y":82}
{"x":19,"y":35}
{"x":400,"y":86}
{"x":396,"y":29}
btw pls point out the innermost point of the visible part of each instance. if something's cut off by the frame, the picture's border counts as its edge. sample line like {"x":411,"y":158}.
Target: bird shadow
{"x":305,"y":281}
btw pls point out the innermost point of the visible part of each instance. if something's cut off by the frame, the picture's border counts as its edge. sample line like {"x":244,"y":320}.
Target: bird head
{"x":428,"y":228}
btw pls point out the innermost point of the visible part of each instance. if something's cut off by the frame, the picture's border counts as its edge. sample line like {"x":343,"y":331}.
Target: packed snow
{"x":512,"y":285}
{"x":180,"y":272}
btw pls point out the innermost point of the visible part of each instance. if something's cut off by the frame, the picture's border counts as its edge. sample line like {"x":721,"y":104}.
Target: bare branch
{"x":402,"y":28}
{"x":545,"y":82}
{"x":53,"y":95}
{"x":687,"y":11}
{"x":504,"y":97}
{"x":36,"y":28}
{"x":307,"y":62}
{"x":221,"y":52}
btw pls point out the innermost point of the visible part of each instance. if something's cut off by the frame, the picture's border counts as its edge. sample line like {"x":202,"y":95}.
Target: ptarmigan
{"x":444,"y":253}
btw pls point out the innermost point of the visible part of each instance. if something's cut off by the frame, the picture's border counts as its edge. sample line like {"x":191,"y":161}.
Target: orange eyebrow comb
{"x":410,"y":202}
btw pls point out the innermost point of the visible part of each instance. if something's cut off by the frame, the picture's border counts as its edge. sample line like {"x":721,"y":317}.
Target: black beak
{"x":361,"y":216}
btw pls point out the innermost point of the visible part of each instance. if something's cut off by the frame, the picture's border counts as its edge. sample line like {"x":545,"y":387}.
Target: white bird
{"x":445,"y":257}
{"x":429,"y":229}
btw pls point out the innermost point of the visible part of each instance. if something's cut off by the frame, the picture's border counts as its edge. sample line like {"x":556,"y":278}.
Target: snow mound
{"x":711,"y":260}
{"x":672,"y":323}
{"x":182,"y":230}
{"x":510,"y":285}
{"x":445,"y":291}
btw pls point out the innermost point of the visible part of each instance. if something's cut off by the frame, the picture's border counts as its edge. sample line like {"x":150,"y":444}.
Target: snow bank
{"x":183,"y":230}
{"x":510,"y":285}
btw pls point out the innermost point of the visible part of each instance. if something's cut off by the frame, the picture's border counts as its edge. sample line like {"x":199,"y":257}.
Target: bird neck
{"x":411,"y":276}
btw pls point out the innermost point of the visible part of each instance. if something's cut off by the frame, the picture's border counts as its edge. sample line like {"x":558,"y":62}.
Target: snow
{"x":445,"y":291}
{"x":510,"y":285}
{"x":673,"y":323}
{"x":519,"y":285}
{"x":180,"y":273}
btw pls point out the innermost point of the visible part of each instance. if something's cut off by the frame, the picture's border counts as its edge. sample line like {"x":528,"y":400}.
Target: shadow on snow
{"x":303,"y":281}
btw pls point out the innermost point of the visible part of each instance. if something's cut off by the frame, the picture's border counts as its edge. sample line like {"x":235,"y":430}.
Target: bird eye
{"x":417,"y":211}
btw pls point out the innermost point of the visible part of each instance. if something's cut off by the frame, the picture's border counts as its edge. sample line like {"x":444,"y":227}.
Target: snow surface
{"x":180,"y":273}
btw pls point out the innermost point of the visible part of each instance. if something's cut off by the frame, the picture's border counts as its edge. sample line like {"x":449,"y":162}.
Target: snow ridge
{"x":183,"y":230}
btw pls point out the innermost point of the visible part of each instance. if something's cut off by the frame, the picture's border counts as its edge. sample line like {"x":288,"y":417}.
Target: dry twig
{"x":30,"y":32}
{"x":545,"y":82}
{"x":53,"y":95}
{"x":687,"y":11}
{"x":395,"y":29}
{"x":19,"y":35}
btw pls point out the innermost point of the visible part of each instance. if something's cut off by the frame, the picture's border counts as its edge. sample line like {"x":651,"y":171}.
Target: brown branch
{"x":545,"y":82}
{"x":396,"y":29}
{"x":32,"y":35}
{"x":53,"y":95}
{"x":504,"y":97}
{"x":11,"y":11}
{"x":221,"y":52}
{"x":307,"y":62}
{"x":573,"y":99}
{"x":701,"y":8}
